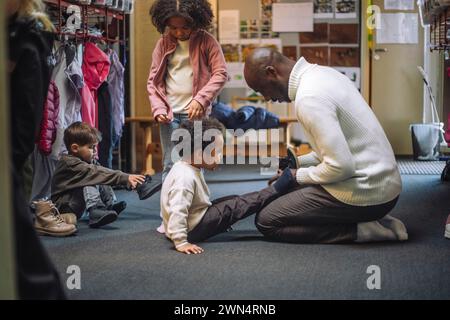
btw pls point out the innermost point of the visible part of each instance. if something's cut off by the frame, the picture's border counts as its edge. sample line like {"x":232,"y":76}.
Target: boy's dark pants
{"x":81,"y":199}
{"x":226,"y":211}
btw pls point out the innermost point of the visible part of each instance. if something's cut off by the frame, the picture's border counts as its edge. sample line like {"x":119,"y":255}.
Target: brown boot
{"x":49,"y":221}
{"x":69,"y":218}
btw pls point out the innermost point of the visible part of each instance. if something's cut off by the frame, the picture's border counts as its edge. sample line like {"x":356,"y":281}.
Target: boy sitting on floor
{"x":80,"y":184}
{"x":188,"y":214}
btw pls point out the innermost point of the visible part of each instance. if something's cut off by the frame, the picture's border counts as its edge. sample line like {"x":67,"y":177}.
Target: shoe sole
{"x":107,"y":219}
{"x":42,"y":232}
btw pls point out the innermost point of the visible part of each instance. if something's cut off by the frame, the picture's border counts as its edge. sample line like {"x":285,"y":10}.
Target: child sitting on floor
{"x":188,"y":214}
{"x":80,"y":184}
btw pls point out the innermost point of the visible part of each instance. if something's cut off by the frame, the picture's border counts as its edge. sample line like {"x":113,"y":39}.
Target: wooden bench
{"x":151,"y":147}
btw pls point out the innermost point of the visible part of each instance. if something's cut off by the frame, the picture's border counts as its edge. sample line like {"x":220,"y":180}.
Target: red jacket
{"x":208,"y":65}
{"x":49,"y":121}
{"x":96,"y":65}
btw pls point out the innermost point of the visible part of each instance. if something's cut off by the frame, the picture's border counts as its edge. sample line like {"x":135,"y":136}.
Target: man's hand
{"x":189,"y":248}
{"x":162,"y":118}
{"x":135,"y":179}
{"x":195,"y":110}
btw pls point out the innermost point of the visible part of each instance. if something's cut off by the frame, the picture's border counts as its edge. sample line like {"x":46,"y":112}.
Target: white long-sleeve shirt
{"x":179,"y":78}
{"x":184,"y":201}
{"x":352,"y":157}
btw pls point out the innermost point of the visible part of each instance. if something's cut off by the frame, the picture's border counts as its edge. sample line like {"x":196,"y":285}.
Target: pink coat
{"x":208,"y":64}
{"x":47,"y":134}
{"x":95,"y":68}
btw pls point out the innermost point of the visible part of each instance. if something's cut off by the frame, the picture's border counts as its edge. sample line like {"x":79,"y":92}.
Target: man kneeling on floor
{"x":188,"y":214}
{"x":349,"y":184}
{"x":80,"y":184}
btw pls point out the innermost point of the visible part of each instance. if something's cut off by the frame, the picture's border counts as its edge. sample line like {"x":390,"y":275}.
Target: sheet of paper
{"x":236,"y":72}
{"x":399,"y":4}
{"x":293,"y":17}
{"x":400,"y":28}
{"x":323,"y":9}
{"x":345,"y":9}
{"x":229,"y":25}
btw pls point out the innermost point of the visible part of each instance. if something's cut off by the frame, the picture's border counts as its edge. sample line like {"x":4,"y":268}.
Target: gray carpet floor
{"x":130,"y":260}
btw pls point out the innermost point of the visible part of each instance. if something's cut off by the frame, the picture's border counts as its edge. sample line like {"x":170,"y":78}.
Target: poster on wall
{"x":323,"y":9}
{"x":229,"y":25}
{"x":345,"y":9}
{"x":293,"y":17}
{"x":399,"y":4}
{"x":236,"y":73}
{"x":354,"y":74}
{"x":402,"y":28}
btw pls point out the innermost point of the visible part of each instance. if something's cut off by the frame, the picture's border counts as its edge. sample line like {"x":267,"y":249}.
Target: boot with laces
{"x":49,"y":221}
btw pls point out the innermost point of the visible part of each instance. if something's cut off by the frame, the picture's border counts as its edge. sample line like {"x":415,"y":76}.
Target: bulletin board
{"x":335,"y":38}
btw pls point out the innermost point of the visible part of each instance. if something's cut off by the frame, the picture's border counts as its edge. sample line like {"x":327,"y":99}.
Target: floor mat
{"x":411,"y":167}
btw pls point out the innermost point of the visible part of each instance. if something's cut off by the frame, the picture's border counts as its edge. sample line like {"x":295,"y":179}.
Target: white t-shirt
{"x":184,"y":201}
{"x":179,"y":79}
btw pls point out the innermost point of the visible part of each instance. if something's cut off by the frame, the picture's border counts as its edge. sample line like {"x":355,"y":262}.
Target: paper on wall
{"x":345,"y":9}
{"x":323,"y":9}
{"x":397,"y":28}
{"x":236,"y":73}
{"x":229,"y":25}
{"x":399,"y":4}
{"x":293,"y":17}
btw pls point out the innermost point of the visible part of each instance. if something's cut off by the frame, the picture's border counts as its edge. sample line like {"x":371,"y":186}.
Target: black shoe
{"x":118,"y":207}
{"x":99,"y":217}
{"x":286,"y":182}
{"x":290,"y":161}
{"x":149,"y":187}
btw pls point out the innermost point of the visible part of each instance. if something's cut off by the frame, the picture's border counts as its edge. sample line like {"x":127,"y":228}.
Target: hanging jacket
{"x":96,"y":66}
{"x":247,"y":117}
{"x":49,"y":121}
{"x":68,"y":77}
{"x":117,"y":89}
{"x":30,"y":68}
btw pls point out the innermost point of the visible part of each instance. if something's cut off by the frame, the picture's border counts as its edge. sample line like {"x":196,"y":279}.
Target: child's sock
{"x":396,"y":226}
{"x":285,"y":182}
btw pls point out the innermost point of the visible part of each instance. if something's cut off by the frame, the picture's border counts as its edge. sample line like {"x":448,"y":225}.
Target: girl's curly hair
{"x":197,"y":12}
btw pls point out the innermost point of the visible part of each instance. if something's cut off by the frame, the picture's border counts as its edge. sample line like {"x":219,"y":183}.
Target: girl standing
{"x":188,"y":68}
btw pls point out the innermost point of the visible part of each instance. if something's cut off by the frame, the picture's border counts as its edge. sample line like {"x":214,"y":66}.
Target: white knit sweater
{"x":352,"y":157}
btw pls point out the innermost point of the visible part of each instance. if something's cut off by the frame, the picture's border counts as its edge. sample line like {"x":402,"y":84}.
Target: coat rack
{"x":89,"y":11}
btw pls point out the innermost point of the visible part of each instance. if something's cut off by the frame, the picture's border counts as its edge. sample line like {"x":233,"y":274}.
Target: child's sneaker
{"x":290,"y":161}
{"x":100,"y":216}
{"x":447,"y":228}
{"x":118,"y":207}
{"x":149,"y":187}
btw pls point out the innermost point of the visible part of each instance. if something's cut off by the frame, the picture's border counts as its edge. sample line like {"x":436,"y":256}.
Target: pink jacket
{"x":96,"y":65}
{"x":49,"y":121}
{"x":209,"y":68}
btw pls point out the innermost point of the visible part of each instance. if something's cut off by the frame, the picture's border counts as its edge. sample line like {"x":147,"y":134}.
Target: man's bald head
{"x":267,"y":71}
